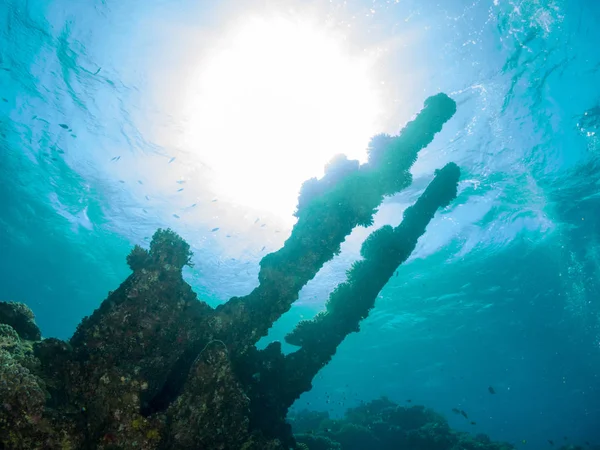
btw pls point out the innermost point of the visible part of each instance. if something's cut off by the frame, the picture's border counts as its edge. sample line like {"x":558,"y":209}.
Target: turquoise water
{"x":502,"y":290}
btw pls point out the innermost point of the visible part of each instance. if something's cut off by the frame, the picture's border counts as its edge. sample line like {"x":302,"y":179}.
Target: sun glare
{"x":271,"y":103}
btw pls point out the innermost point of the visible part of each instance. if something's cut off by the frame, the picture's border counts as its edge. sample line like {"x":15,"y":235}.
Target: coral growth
{"x":383,"y":425}
{"x":25,"y":420}
{"x":155,"y":368}
{"x":21,"y":318}
{"x":23,"y":400}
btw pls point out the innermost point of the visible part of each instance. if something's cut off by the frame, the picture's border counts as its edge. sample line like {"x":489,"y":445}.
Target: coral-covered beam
{"x":350,"y":302}
{"x":328,"y":209}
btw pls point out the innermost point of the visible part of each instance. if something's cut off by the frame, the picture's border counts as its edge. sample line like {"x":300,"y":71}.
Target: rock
{"x":21,"y":318}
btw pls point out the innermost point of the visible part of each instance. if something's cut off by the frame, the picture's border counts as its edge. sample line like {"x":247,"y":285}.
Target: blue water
{"x":504,"y":288}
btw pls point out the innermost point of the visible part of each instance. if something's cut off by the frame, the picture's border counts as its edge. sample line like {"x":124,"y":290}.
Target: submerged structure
{"x":156,"y":368}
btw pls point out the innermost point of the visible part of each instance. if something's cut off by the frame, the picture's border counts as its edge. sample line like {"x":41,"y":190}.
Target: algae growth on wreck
{"x":156,"y":367}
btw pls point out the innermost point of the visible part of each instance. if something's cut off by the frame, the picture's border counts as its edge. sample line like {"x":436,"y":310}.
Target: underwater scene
{"x":300,"y":224}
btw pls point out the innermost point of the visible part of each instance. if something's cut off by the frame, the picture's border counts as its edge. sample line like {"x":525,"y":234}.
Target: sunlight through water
{"x":271,"y":103}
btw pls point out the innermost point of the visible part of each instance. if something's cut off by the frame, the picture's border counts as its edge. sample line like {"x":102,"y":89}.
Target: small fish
{"x":98,"y":71}
{"x":214,"y":200}
{"x":550,"y":442}
{"x":409,"y":401}
{"x":73,"y":135}
{"x":147,"y":198}
{"x":456,"y":411}
{"x":464,"y":414}
{"x":4,"y":100}
{"x":215,"y":229}
{"x":193,"y":205}
{"x":228,"y":235}
{"x":176,"y":216}
{"x":63,"y":126}
{"x":263,"y":225}
{"x":140,"y":182}
{"x":116,"y":158}
{"x":491,"y":389}
{"x":121,"y":181}
{"x":257,"y":219}
{"x":145,"y":211}
{"x":263,"y":248}
{"x":180,"y":189}
{"x":473,"y":423}
{"x":171,"y":160}
{"x":180,"y":182}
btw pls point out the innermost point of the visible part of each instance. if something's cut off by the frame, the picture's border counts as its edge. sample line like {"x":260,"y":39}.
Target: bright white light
{"x":271,"y":103}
